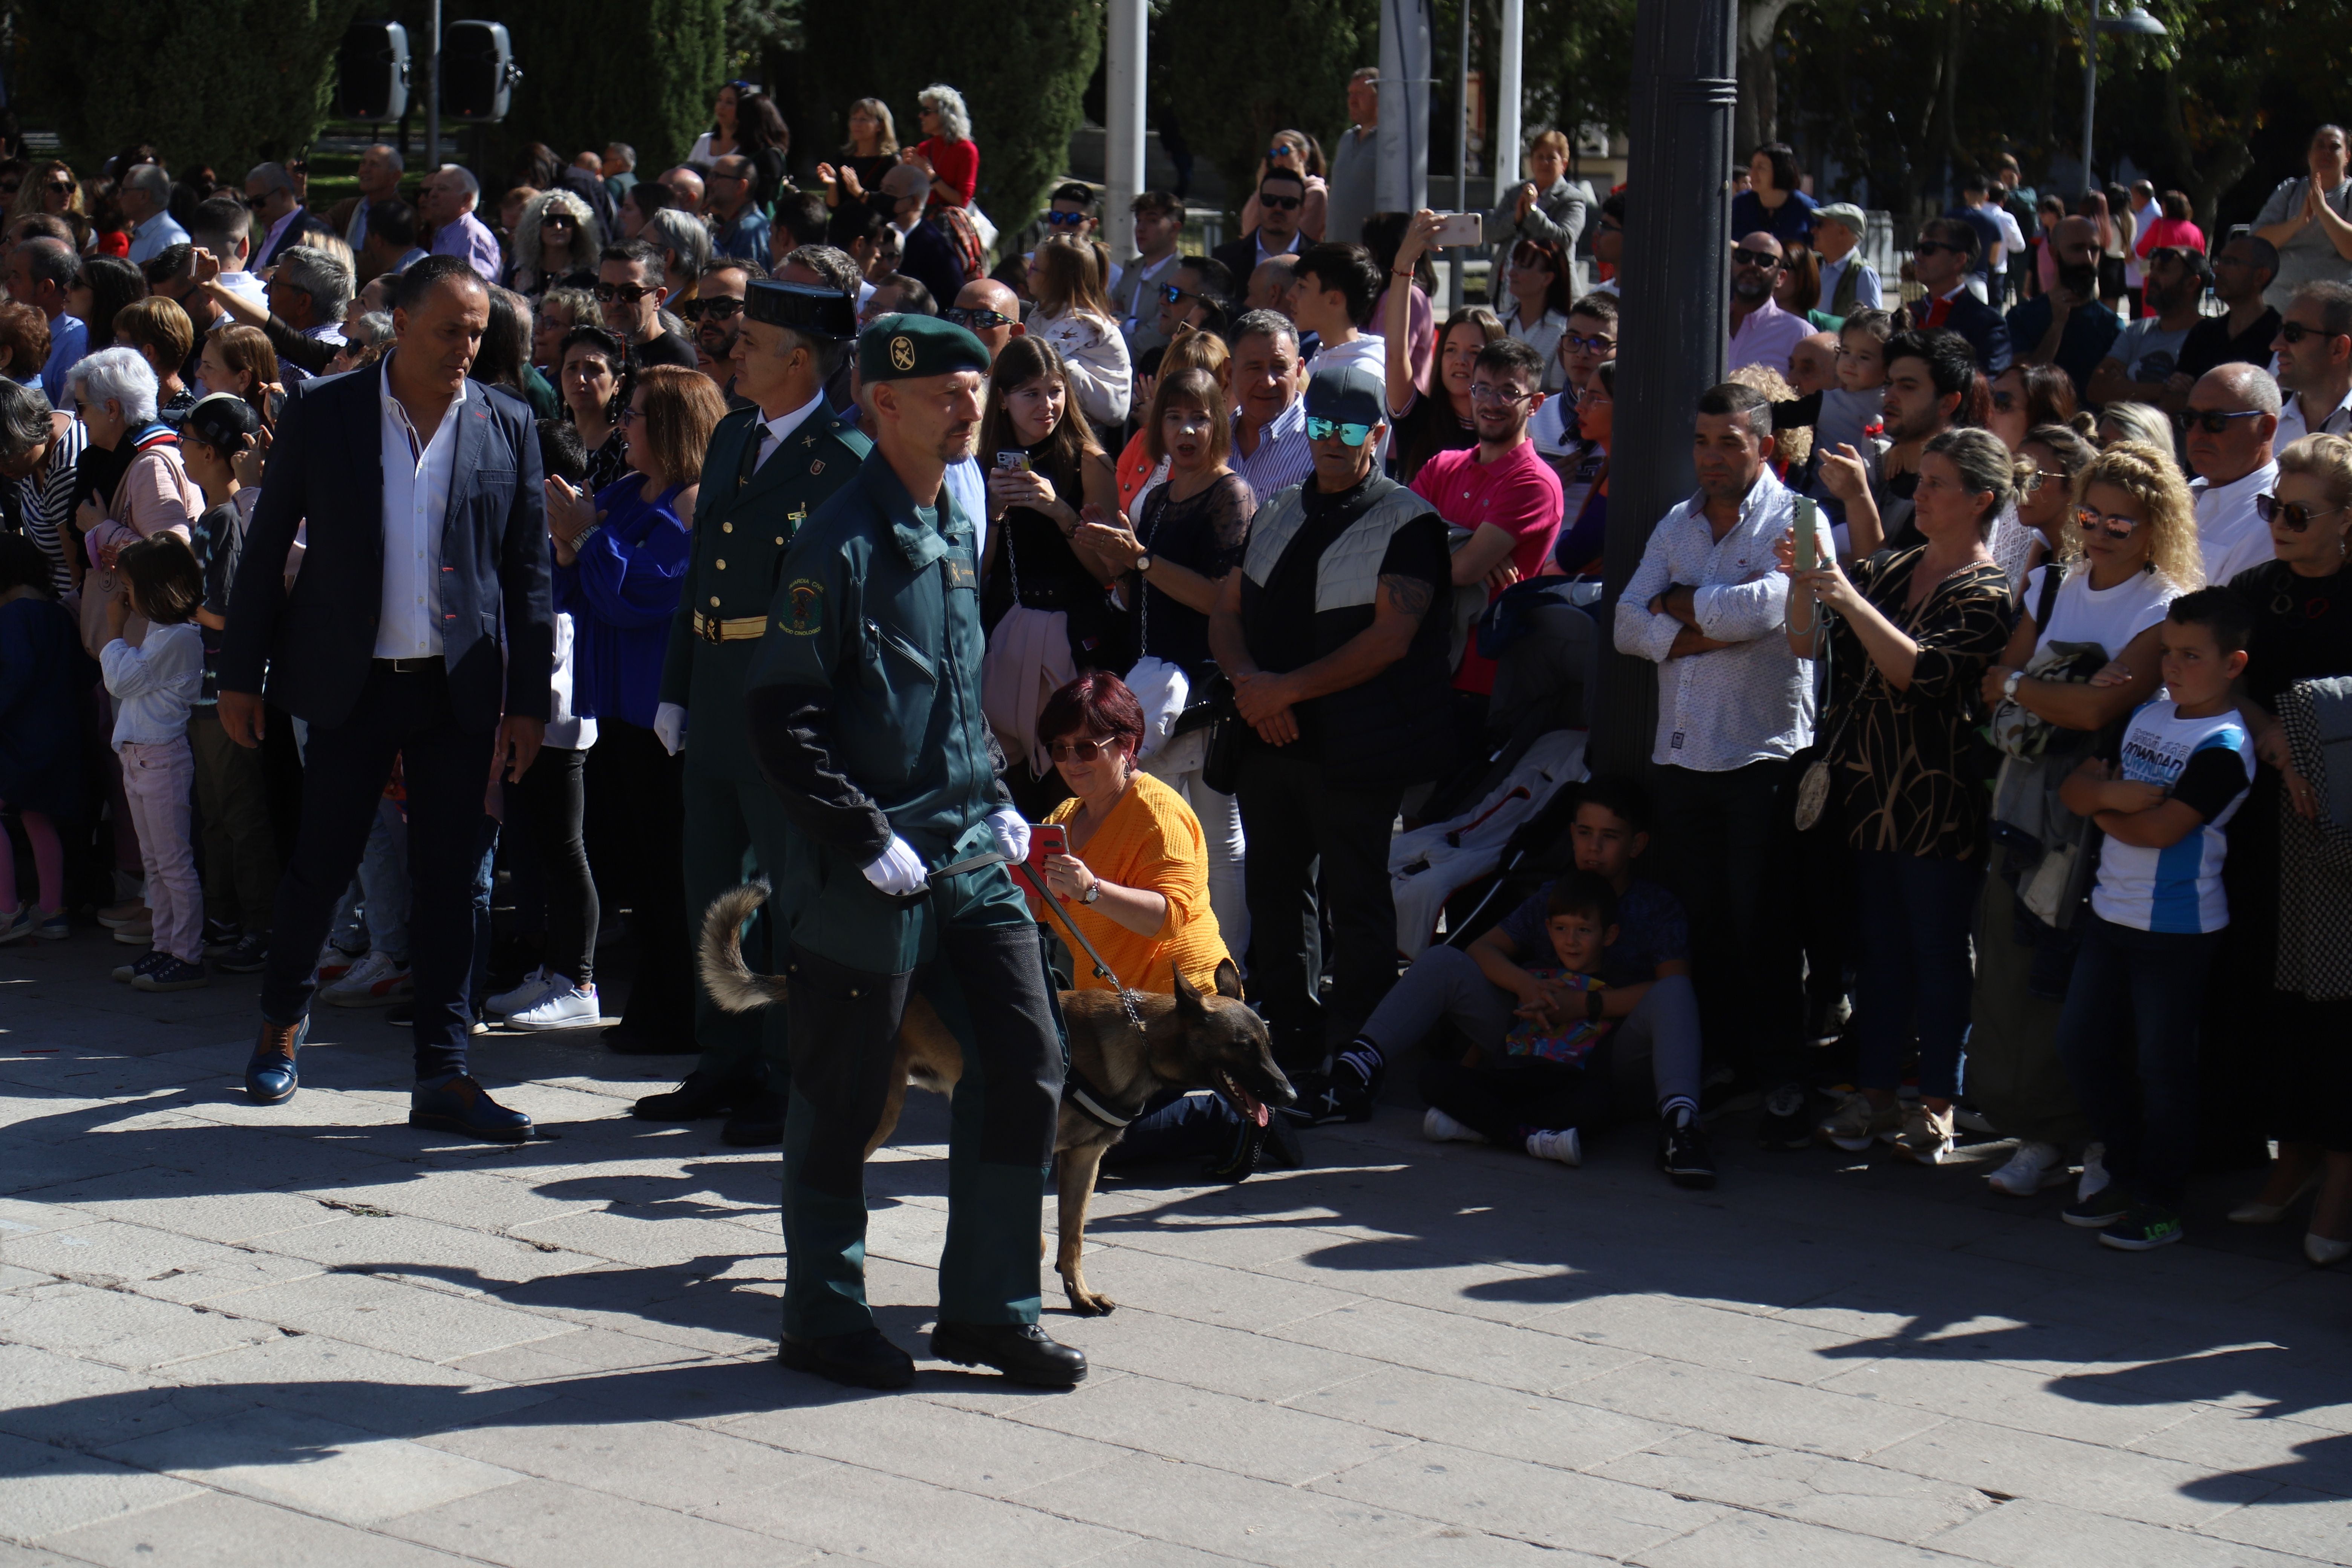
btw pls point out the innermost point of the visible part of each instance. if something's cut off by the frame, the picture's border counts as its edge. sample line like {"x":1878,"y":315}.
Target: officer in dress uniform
{"x":771,"y":465}
{"x":864,"y":712}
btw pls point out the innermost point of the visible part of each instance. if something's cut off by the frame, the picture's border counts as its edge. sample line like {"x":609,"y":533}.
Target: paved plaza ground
{"x":311,"y":1336}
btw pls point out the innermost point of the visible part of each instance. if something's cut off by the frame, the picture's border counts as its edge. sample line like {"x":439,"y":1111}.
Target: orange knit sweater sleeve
{"x":1153,"y":841}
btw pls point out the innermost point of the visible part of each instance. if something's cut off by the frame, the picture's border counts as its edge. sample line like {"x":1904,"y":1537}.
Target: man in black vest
{"x":1335,"y":634}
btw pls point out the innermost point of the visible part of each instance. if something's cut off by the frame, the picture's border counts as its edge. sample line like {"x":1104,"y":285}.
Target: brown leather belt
{"x":741,"y":628}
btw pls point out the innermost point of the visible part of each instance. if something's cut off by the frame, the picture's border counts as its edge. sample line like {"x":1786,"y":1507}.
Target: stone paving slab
{"x":265,"y":1336}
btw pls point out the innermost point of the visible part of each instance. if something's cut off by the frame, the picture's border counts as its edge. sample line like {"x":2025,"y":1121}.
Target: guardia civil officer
{"x":771,"y":465}
{"x":864,"y":713}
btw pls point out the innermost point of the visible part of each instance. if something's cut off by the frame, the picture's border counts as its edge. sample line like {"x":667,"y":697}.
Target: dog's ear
{"x":1229,"y":979}
{"x":1189,"y":1005}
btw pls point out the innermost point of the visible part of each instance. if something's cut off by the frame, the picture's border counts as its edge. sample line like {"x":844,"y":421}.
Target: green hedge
{"x":1240,"y":70}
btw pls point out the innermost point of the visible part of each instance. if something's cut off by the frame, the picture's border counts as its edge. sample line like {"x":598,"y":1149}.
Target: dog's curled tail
{"x":727,"y":978}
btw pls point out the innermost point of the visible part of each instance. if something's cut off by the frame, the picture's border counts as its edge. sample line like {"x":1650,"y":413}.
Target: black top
{"x":2209,"y":343}
{"x":1031,"y":550}
{"x":1421,"y":432}
{"x":668,"y":348}
{"x":1207,"y":533}
{"x":2302,"y":627}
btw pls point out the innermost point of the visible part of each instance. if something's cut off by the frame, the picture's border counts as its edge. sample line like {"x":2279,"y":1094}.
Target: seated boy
{"x":1538,"y":1092}
{"x":1649,"y":996}
{"x":2127,"y":1035}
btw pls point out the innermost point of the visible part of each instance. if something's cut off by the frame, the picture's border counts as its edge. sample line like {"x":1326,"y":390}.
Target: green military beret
{"x":895,"y":348}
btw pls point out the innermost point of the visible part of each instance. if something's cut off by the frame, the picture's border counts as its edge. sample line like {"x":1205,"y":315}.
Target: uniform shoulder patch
{"x":803,"y":607}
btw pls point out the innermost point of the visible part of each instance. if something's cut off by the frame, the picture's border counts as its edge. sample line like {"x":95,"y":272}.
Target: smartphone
{"x":1460,"y":228}
{"x":1048,"y":838}
{"x":1013,"y":462}
{"x":1808,"y":529}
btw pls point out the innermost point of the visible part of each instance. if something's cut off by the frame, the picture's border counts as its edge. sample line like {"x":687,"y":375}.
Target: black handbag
{"x":1229,"y":735}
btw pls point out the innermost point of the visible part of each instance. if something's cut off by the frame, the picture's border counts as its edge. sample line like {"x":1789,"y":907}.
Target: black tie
{"x":751,"y":450}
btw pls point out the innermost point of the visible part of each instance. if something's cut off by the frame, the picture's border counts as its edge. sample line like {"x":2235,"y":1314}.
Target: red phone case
{"x":1051,"y":839}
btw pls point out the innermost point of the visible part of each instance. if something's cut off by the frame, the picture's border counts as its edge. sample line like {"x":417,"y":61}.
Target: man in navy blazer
{"x":427,"y":548}
{"x":1940,"y":260}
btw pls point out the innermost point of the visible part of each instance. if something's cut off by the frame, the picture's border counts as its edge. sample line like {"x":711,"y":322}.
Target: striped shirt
{"x":1283,"y":457}
{"x":43,"y":503}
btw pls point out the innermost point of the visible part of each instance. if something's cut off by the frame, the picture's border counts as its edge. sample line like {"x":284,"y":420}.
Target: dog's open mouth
{"x":1248,"y":1104}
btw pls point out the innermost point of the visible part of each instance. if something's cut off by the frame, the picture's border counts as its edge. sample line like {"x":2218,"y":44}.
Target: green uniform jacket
{"x":743,"y":527}
{"x":866,"y":696}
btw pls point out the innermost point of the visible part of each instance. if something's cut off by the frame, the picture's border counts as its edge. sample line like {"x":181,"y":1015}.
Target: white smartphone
{"x":1808,"y":524}
{"x":1460,"y":228}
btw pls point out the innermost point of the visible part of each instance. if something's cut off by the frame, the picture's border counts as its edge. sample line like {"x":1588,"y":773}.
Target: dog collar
{"x":1094,"y":1104}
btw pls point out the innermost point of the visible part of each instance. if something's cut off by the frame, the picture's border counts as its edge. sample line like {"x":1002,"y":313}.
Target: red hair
{"x":1096,"y":703}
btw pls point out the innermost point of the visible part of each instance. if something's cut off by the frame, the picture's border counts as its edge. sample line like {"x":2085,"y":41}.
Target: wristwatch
{"x":1093,"y":891}
{"x":2009,"y":686}
{"x":1143,"y":561}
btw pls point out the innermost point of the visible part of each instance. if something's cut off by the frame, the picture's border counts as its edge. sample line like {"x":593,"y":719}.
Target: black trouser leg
{"x":1724,"y":841}
{"x":1286,"y":930}
{"x":556,"y":797}
{"x":633,"y":762}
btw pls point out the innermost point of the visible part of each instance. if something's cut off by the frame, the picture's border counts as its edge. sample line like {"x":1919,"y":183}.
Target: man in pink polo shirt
{"x":1500,"y":491}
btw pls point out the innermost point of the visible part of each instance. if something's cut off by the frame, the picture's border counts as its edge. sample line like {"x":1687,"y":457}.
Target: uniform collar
{"x":920,"y":540}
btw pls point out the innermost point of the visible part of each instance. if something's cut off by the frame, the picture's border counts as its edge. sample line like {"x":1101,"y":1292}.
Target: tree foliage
{"x":1240,"y":70}
{"x":228,"y":83}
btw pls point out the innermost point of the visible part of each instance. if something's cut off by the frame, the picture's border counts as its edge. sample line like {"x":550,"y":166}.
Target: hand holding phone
{"x":1807,"y":526}
{"x":1460,"y":228}
{"x":1048,"y":840}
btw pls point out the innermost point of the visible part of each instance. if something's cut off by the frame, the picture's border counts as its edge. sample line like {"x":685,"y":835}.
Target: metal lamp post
{"x":2135,"y":22}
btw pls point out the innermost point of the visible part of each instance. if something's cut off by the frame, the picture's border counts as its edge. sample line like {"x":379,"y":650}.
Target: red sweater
{"x":956,"y":163}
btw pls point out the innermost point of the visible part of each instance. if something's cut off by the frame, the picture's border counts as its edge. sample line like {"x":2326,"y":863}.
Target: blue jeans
{"x":1914,"y":979}
{"x":2129,"y":1040}
{"x":374,"y":913}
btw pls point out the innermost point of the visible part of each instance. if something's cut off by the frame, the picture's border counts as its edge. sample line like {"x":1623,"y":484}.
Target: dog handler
{"x":865,"y":714}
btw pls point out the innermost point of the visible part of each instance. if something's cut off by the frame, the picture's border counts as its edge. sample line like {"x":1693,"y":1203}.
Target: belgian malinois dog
{"x":1187,"y":1040}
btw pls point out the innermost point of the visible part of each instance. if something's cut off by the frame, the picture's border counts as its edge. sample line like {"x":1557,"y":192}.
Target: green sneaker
{"x":2145,"y":1227}
{"x":2101,"y":1209}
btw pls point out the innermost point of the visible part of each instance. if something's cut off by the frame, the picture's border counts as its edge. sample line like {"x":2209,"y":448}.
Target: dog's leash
{"x":1102,"y":971}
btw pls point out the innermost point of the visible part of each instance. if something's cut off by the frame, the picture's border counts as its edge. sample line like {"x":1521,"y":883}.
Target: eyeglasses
{"x":1595,"y":345}
{"x":1747,"y":258}
{"x":1065,"y":220}
{"x":628,"y":414}
{"x":1484,"y":392}
{"x":1351,"y":434}
{"x":2215,"y":421}
{"x":2294,"y":515}
{"x":1083,"y":751}
{"x":977,"y":320}
{"x":2295,"y":331}
{"x":1279,"y":204}
{"x":2091,"y":520}
{"x":1938,"y":247}
{"x":719,"y":308}
{"x":624,"y":293}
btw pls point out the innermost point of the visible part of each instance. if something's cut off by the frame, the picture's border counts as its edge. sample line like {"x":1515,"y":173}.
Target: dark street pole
{"x":1676,"y":314}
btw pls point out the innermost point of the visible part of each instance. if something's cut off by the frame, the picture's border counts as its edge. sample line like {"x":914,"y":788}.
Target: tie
{"x":1937,"y":312}
{"x":752,"y":448}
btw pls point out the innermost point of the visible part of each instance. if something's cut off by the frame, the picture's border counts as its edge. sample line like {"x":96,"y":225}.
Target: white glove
{"x":899,"y":871}
{"x":669,"y":727}
{"x":1011,"y":830}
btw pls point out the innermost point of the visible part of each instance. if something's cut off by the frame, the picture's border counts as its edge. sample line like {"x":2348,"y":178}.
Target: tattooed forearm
{"x":1410,"y":595}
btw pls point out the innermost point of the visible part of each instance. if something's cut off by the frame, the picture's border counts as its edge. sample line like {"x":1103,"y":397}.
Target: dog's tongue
{"x":1257,"y":1108}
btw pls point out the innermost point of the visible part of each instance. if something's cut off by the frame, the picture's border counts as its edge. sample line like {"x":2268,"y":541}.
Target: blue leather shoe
{"x":271,"y":1077}
{"x":461,"y":1105}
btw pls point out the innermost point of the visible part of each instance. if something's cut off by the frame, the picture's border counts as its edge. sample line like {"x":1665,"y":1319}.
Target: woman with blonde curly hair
{"x":2130,"y":549}
{"x":555,"y":241}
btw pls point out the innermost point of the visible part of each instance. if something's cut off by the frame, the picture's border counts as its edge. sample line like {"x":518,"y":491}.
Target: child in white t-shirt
{"x":2129,"y":1034}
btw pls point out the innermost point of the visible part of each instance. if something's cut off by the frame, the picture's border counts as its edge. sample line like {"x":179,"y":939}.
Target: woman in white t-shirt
{"x":2128,"y":551}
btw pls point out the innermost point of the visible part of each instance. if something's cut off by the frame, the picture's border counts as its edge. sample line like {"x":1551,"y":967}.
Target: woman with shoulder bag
{"x":2131,"y":550}
{"x":1917,"y":628}
{"x":1189,"y":533}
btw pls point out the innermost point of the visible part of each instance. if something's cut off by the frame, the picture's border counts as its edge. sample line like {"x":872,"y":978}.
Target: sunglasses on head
{"x":977,"y":320}
{"x":1747,"y":258}
{"x":2295,"y":331}
{"x":1279,"y":204}
{"x":2090,"y":520}
{"x":1065,"y":220}
{"x":719,"y":308}
{"x":624,"y":293}
{"x":1083,"y":750}
{"x":2291,"y":514}
{"x":2215,"y":421}
{"x":1351,"y":434}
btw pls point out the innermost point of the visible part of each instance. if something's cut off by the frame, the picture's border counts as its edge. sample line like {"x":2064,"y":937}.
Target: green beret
{"x":899,"y":347}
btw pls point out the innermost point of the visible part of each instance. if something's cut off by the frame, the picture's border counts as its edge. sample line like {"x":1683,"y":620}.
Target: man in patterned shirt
{"x":1735,"y":705}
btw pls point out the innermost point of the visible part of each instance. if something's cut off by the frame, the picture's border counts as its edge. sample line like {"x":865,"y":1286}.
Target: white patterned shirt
{"x":418,"y":471}
{"x":1728,"y":707}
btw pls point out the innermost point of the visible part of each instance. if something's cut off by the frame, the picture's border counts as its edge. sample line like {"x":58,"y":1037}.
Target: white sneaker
{"x":527,"y":991}
{"x":2035,"y":1167}
{"x":2095,"y":1178}
{"x":1563,"y":1146}
{"x":567,"y":1007}
{"x":1440,"y":1128}
{"x":334,"y":963}
{"x":376,"y":981}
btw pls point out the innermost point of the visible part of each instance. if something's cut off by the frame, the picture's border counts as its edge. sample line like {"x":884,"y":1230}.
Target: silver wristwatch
{"x":1093,"y":891}
{"x":2009,"y":686}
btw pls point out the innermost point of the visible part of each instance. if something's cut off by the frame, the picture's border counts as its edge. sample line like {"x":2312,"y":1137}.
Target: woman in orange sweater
{"x":1136,"y":881}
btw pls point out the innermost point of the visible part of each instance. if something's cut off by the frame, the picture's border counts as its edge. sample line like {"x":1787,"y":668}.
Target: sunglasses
{"x":1595,"y":345}
{"x":718,"y":308}
{"x":1176,"y":295}
{"x":2002,"y":402}
{"x":2215,"y":421}
{"x":1065,"y":220}
{"x":2115,"y":527}
{"x":1083,"y":750}
{"x":559,"y":220}
{"x":1279,"y":204}
{"x":63,"y":187}
{"x":1531,"y":257}
{"x":1747,"y":258}
{"x":2295,"y":331}
{"x":1283,"y":150}
{"x":1937,"y":248}
{"x":1351,"y":434}
{"x":624,"y":293}
{"x":2294,"y":515}
{"x":977,"y":320}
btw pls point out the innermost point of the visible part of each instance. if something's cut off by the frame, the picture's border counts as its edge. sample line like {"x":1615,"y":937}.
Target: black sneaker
{"x":250,"y":956}
{"x":220,"y":937}
{"x":2100,"y":1210}
{"x":171,"y":974}
{"x":1683,"y":1155}
{"x":129,"y":974}
{"x":1357,"y":1073}
{"x":2143,"y":1227}
{"x":1785,"y":1124}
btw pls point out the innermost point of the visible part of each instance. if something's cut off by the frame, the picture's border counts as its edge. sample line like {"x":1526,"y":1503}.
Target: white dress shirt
{"x":784,"y":425}
{"x":2228,"y":531}
{"x":1729,"y":707}
{"x":417,"y":475}
{"x":2294,"y":425}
